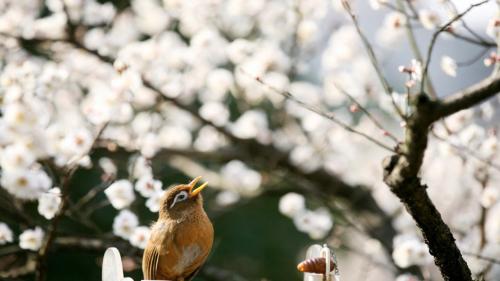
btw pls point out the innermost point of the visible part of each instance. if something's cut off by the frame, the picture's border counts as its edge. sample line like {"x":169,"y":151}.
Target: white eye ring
{"x":181,"y":196}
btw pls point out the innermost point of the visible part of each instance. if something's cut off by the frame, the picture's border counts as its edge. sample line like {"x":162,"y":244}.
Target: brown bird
{"x":182,"y":237}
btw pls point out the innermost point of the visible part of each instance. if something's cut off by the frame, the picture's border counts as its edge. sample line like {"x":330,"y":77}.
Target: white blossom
{"x":239,"y":176}
{"x":307,"y":31}
{"x":291,"y":204}
{"x":147,"y":186}
{"x":410,"y":251}
{"x":31,"y":239}
{"x":153,"y":202}
{"x":393,"y":29}
{"x":219,"y":82}
{"x":449,"y":66}
{"x":108,"y":166}
{"x":120,"y":194}
{"x":124,"y":224}
{"x":215,"y":112}
{"x":174,"y":136}
{"x":227,"y":198}
{"x":493,"y":28}
{"x":141,"y":168}
{"x":252,"y":124}
{"x":490,"y":196}
{"x":429,"y":19}
{"x":376,"y":4}
{"x":140,"y":237}
{"x":6,"y":235}
{"x":407,"y":277}
{"x":316,"y":224}
{"x":49,"y":202}
{"x":25,"y":184}
{"x":17,"y":156}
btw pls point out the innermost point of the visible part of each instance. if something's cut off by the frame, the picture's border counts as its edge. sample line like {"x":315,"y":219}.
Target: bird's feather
{"x":150,"y":262}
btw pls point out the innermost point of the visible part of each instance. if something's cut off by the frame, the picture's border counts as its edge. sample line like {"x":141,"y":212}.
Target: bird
{"x":181,"y":238}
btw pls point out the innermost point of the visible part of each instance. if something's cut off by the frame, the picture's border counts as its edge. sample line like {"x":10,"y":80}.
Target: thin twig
{"x":413,"y":44}
{"x":435,"y":36}
{"x":367,"y":113}
{"x":369,"y":49}
{"x":11,"y":249}
{"x":466,"y":150}
{"x":470,"y":40}
{"x":287,"y":95}
{"x":454,"y":10}
{"x":473,"y":59}
{"x":90,"y":195}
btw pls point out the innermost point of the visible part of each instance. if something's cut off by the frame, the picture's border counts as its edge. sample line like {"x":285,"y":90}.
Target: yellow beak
{"x":195,"y":191}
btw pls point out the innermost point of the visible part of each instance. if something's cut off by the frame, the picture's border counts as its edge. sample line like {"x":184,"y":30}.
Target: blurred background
{"x":133,"y":95}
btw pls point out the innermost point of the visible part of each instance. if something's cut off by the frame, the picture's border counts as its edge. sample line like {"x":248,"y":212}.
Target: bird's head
{"x":182,"y":200}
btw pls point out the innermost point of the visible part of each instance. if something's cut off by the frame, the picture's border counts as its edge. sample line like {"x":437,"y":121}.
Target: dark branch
{"x":401,"y":175}
{"x":469,"y":97}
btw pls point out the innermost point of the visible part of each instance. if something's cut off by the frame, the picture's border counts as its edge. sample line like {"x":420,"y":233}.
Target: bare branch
{"x":367,"y":113}
{"x":287,"y":95}
{"x":413,"y":42}
{"x":435,"y":36}
{"x":469,"y":97}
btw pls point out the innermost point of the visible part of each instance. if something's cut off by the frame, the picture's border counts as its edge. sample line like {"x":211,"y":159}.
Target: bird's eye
{"x":181,"y":196}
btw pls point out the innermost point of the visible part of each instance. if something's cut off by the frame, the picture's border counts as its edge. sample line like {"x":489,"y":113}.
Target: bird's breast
{"x":185,"y":248}
{"x":189,"y":255}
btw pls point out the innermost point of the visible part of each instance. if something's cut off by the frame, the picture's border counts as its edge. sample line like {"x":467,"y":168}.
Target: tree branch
{"x":400,"y":174}
{"x":469,"y":97}
{"x":435,"y":36}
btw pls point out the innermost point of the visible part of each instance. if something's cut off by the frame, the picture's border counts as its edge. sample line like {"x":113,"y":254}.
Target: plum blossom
{"x":240,"y":177}
{"x":215,"y":112}
{"x":140,"y":237}
{"x":124,"y":224}
{"x":377,"y":4}
{"x":31,"y":239}
{"x":449,"y":66}
{"x":429,"y":19}
{"x":108,"y":166}
{"x":17,"y":156}
{"x":317,"y":224}
{"x":410,"y":251}
{"x":291,"y":204}
{"x":227,"y":198}
{"x":120,"y":194}
{"x":6,"y":235}
{"x":147,"y":186}
{"x":252,"y":124}
{"x":25,"y":184}
{"x":393,"y":28}
{"x":493,"y":28}
{"x":154,"y":201}
{"x":490,"y":196}
{"x":49,"y":202}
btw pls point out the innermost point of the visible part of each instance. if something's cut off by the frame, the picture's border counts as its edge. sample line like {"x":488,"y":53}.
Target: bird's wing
{"x":150,"y":262}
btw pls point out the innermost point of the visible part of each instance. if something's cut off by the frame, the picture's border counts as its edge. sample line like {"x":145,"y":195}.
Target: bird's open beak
{"x":195,"y":191}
